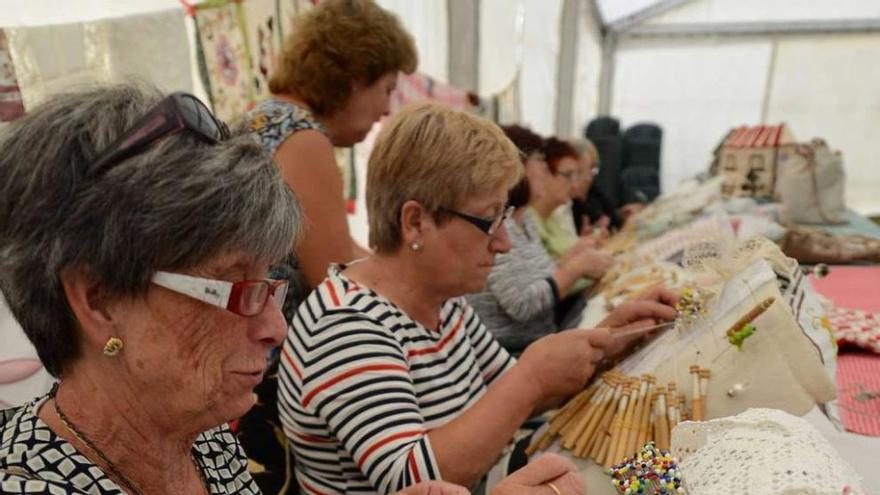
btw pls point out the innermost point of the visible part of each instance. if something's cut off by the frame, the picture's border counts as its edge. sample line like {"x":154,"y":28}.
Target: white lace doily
{"x":761,"y":452}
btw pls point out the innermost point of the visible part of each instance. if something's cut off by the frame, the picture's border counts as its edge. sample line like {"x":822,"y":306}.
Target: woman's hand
{"x":435,"y":488}
{"x":591,"y":262}
{"x":534,"y":478}
{"x":560,"y":364}
{"x":655,"y":306}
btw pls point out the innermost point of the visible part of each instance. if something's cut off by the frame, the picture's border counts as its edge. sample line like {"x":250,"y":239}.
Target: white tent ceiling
{"x":696,"y":67}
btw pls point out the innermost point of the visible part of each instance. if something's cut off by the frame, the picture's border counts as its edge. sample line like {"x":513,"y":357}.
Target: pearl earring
{"x":415,"y":246}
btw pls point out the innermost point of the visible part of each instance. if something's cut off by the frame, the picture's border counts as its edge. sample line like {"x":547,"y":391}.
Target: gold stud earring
{"x":415,"y":246}
{"x":113,"y":346}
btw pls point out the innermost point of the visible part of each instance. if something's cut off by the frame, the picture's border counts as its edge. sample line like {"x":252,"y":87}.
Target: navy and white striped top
{"x":362,"y":385}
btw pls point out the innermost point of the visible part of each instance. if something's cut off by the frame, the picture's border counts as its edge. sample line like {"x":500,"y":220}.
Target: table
{"x":856,"y":224}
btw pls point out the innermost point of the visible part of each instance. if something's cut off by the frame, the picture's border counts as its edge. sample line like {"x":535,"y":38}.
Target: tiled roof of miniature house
{"x":759,"y":136}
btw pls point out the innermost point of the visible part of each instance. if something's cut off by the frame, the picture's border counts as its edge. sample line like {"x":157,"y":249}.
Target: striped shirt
{"x":362,"y":384}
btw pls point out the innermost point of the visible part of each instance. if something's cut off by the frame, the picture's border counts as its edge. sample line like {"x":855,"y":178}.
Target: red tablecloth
{"x":858,"y":373}
{"x":852,"y":287}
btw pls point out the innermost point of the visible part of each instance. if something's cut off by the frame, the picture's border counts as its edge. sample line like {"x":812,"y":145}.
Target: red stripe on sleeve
{"x":381,"y":443}
{"x":414,"y":467}
{"x":348,"y":374}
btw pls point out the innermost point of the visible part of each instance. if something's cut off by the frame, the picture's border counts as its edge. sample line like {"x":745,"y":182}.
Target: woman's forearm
{"x":466,"y":447}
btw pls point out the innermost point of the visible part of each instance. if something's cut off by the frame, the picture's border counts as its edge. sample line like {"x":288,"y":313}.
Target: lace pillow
{"x":760,"y":452}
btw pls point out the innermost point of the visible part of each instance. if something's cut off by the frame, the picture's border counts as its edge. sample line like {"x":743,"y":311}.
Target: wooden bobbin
{"x":645,"y":424}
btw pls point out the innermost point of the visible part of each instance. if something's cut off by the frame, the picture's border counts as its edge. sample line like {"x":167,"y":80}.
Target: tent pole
{"x":464,"y":44}
{"x":566,"y":70}
{"x":768,"y":87}
{"x":606,"y":75}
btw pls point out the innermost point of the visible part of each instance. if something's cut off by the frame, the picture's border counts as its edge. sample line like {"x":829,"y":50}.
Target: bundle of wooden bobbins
{"x":618,"y":414}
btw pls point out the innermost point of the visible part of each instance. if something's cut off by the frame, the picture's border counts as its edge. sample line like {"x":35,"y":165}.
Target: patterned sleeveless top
{"x":271,"y":122}
{"x":34,"y":459}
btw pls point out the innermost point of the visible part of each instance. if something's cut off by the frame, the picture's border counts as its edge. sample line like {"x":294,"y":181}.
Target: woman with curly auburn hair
{"x":334,"y":80}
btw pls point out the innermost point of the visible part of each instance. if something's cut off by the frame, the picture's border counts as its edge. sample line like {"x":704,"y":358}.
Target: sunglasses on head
{"x":176,"y":112}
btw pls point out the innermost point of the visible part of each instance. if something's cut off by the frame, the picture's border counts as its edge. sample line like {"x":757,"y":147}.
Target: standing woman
{"x":334,"y":80}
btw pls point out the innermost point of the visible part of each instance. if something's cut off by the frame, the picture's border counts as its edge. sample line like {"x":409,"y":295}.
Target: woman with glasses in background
{"x":553,"y":211}
{"x":527,"y":291}
{"x":388,"y":376}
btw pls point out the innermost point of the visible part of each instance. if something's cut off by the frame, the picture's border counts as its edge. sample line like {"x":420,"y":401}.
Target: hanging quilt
{"x":261,"y":23}
{"x":224,"y":59}
{"x":11,"y":106}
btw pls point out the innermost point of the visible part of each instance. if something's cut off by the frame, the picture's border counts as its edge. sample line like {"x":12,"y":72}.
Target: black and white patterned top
{"x":33,"y":459}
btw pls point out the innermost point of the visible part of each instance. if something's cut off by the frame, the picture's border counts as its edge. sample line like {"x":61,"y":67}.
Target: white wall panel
{"x":695,"y":91}
{"x":830,"y":87}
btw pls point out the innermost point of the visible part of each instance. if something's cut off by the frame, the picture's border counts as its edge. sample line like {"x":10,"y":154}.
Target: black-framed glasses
{"x":488,"y":225}
{"x":176,"y":112}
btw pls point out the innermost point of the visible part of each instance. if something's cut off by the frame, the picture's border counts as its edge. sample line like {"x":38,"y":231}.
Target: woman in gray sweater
{"x":526,"y":284}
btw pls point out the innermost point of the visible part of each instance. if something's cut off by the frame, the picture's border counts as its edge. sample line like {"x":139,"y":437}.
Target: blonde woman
{"x":388,"y":375}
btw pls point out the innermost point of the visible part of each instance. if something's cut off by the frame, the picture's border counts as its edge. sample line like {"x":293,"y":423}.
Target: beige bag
{"x":810,"y":182}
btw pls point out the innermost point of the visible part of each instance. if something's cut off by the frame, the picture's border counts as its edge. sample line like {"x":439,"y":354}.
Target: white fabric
{"x":500,"y":44}
{"x":587,"y":72}
{"x":426,"y":20}
{"x":764,"y":10}
{"x":540,"y":58}
{"x":42,"y":12}
{"x":150,"y":46}
{"x":695,"y":90}
{"x":810,"y":182}
{"x":760,"y":452}
{"x":533,"y":50}
{"x":827,"y":87}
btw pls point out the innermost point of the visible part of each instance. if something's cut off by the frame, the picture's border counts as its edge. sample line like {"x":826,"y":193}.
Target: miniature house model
{"x":748,"y":160}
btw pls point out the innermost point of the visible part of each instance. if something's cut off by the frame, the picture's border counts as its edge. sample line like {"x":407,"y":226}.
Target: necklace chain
{"x":130,"y":484}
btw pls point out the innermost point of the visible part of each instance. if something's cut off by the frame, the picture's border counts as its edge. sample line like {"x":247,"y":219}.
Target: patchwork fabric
{"x":224,"y":59}
{"x":11,"y":106}
{"x":263,"y":38}
{"x":33,"y":459}
{"x":853,"y":327}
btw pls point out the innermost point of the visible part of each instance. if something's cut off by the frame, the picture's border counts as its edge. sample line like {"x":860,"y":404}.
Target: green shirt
{"x":558,"y":236}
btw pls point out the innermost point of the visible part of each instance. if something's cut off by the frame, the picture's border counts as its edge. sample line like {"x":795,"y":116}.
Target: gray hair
{"x":585,"y":146}
{"x":172,"y":207}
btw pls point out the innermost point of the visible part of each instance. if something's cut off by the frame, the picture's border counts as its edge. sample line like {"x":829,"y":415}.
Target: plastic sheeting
{"x":426,"y":20}
{"x":829,"y":87}
{"x":708,"y":11}
{"x":145,"y":46}
{"x":695,"y":90}
{"x":522,"y":37}
{"x":589,"y":65}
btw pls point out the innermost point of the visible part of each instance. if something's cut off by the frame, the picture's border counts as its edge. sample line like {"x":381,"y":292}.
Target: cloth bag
{"x":810,"y":183}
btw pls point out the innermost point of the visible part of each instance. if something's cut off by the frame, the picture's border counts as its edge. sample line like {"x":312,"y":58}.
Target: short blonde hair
{"x":586,"y":147}
{"x":437,"y":156}
{"x":336,"y":44}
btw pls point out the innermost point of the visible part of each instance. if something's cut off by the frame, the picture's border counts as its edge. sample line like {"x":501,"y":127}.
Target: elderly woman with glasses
{"x":388,"y":375}
{"x":135,"y":239}
{"x":528,"y":293}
